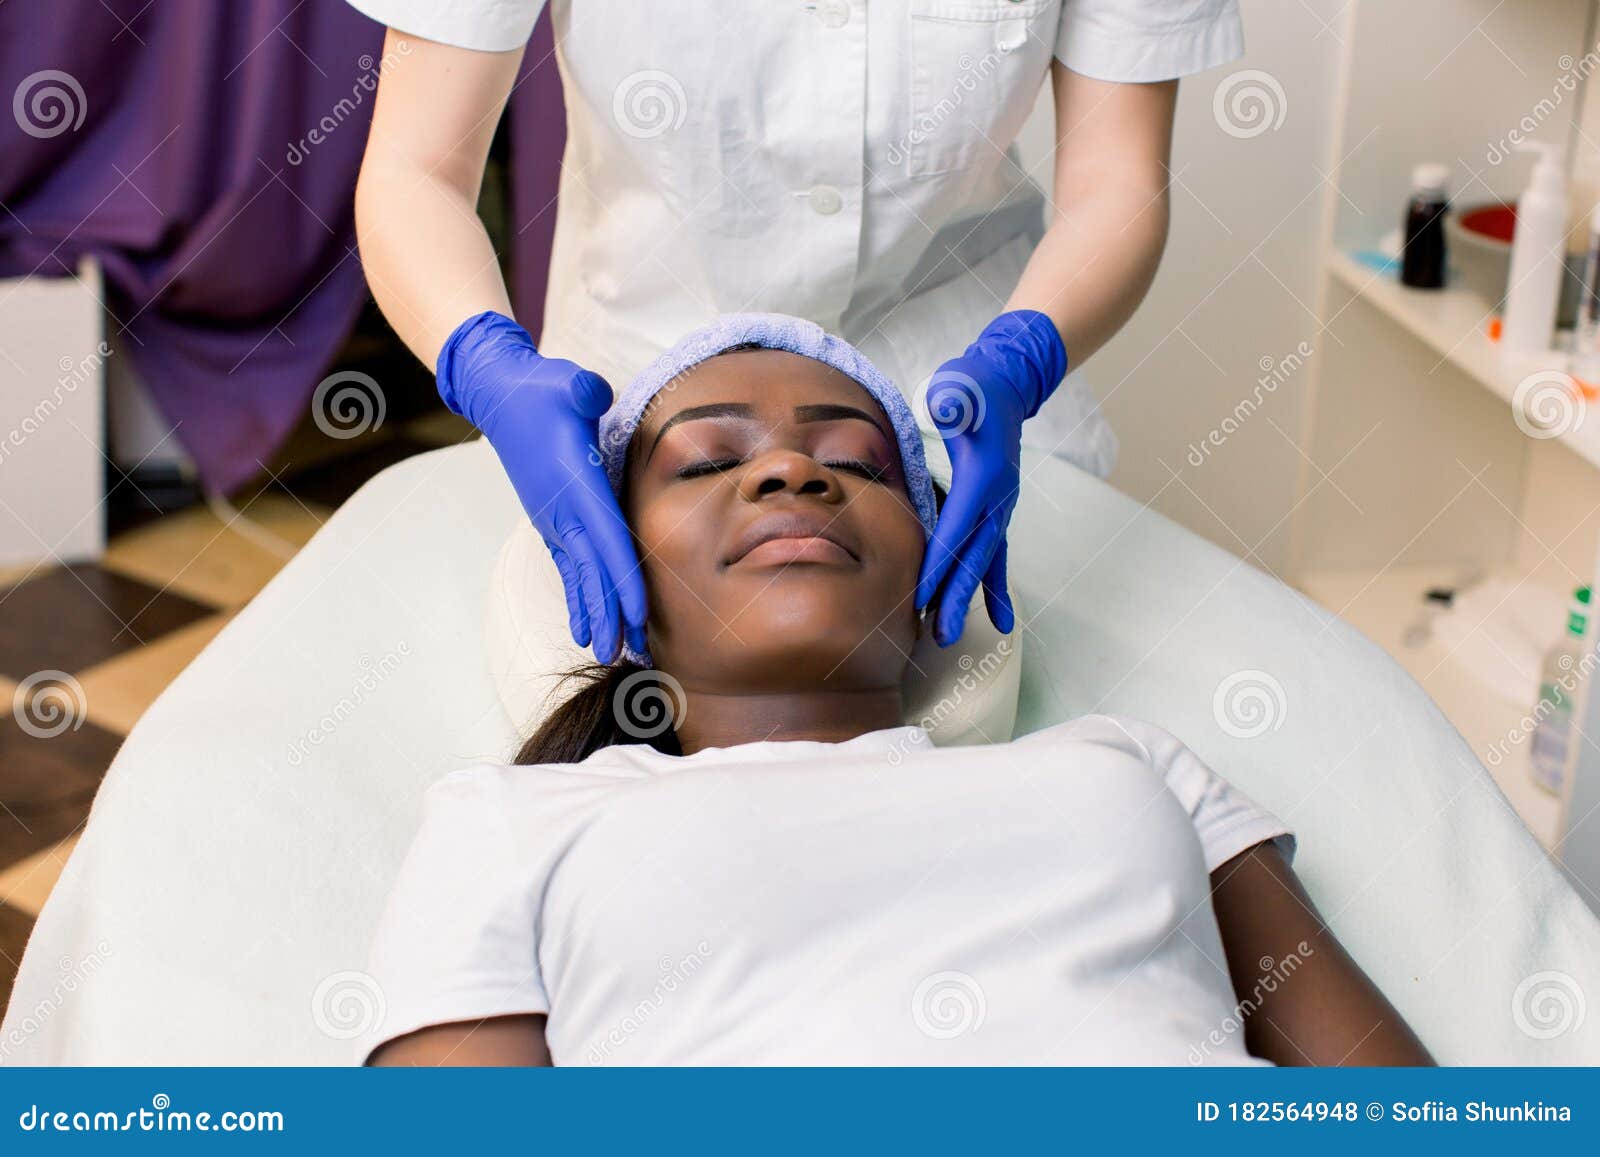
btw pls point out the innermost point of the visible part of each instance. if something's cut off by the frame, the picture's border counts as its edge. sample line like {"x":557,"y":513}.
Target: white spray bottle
{"x":1538,"y":255}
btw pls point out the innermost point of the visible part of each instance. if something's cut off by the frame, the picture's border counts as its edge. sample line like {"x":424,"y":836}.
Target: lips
{"x":790,"y":537}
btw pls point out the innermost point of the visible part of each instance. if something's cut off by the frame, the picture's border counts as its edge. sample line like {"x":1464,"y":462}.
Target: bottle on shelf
{"x":1422,"y":254}
{"x":1564,"y":667}
{"x":1538,"y":255}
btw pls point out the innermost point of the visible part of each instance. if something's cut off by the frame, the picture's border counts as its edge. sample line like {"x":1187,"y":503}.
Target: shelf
{"x":1453,"y":323}
{"x":1382,"y":606}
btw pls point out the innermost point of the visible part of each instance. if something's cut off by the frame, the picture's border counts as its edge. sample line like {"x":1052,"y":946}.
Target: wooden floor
{"x":86,"y":647}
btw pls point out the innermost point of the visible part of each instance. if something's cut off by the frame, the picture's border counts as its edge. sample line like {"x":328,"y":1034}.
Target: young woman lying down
{"x":789,"y":874}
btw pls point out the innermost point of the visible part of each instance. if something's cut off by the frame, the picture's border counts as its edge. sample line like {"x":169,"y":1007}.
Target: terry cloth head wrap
{"x":779,"y":332}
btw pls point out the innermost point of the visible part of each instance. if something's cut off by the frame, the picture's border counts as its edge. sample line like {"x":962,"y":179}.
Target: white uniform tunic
{"x":845,"y":161}
{"x":876,"y":901}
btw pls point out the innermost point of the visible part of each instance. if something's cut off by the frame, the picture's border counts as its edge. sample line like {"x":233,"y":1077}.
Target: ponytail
{"x":606,"y":708}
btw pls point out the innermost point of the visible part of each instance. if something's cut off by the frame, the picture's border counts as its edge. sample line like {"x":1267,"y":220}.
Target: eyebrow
{"x":826,"y":412}
{"x":699,"y":413}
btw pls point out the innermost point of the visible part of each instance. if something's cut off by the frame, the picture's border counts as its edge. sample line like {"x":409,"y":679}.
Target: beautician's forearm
{"x":1095,"y":264}
{"x":426,"y":254}
{"x":1109,"y":207}
{"x":427,"y":257}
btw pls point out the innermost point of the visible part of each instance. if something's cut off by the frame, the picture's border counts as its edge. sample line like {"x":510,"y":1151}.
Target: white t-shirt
{"x":878,"y":901}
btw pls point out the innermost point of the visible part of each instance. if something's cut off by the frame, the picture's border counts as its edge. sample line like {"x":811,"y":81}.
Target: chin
{"x":786,"y":644}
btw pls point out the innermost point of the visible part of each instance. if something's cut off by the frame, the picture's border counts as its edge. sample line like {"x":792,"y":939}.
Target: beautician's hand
{"x":541,"y":416}
{"x":978,"y":402}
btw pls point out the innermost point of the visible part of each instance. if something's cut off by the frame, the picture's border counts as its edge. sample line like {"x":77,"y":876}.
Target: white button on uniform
{"x":833,"y":13}
{"x":825,"y":199}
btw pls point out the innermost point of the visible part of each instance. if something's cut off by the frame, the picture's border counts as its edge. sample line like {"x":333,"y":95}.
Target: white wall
{"x":1237,"y":286}
{"x":52,"y":465}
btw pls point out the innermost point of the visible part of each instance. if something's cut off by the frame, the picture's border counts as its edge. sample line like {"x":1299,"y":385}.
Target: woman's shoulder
{"x":605,"y":768}
{"x":1135,"y":737}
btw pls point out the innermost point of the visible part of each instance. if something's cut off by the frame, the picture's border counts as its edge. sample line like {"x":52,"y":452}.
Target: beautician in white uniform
{"x":846,"y":161}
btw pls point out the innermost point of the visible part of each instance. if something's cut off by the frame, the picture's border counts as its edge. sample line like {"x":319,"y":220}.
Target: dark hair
{"x":611,"y":706}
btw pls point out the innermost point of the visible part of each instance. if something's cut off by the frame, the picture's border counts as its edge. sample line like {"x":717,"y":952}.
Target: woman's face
{"x":779,"y":545}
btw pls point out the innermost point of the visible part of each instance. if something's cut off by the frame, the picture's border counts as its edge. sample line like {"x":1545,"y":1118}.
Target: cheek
{"x":674,"y":537}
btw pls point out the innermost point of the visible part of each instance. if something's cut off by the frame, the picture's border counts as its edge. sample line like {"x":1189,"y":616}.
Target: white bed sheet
{"x":219,"y":905}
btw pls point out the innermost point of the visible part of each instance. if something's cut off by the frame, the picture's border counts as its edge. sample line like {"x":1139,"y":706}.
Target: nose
{"x":789,"y":472}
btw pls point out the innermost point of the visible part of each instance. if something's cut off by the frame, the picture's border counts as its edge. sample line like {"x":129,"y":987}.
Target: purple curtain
{"x":206,"y":154}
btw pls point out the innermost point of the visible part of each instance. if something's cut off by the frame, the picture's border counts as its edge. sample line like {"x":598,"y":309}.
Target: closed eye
{"x":866,"y":470}
{"x":710,"y":466}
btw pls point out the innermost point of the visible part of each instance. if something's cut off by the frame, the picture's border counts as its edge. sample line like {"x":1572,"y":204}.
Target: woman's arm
{"x":498,"y":1041}
{"x":1108,"y":222}
{"x":427,"y":257}
{"x":1321,"y":1011}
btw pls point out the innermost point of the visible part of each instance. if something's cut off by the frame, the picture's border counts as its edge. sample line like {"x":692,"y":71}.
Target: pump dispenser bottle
{"x":1538,"y":253}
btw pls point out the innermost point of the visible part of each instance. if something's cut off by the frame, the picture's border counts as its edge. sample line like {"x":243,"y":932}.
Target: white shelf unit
{"x":1417,"y":475}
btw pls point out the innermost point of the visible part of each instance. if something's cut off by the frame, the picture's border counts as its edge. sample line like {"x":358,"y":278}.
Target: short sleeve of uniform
{"x":1226,"y":820}
{"x":1147,"y":40}
{"x":456,"y":941}
{"x":486,"y":25}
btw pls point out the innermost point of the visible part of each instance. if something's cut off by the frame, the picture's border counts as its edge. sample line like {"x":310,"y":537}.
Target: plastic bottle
{"x":1538,"y":255}
{"x":1422,"y":262}
{"x":1586,"y":345}
{"x":1559,"y":677}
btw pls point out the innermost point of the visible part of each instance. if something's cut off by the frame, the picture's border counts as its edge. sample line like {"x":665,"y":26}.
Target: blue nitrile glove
{"x":541,"y":416}
{"x":979,"y":401}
